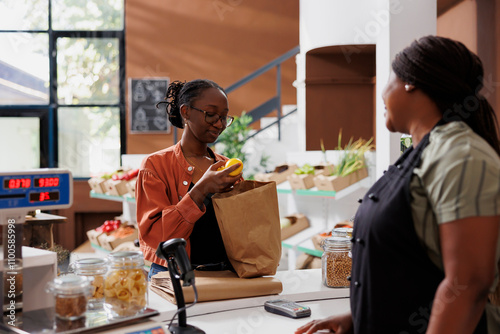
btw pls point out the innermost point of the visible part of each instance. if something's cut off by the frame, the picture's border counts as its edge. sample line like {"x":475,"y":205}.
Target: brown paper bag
{"x":249,"y":223}
{"x":217,"y":285}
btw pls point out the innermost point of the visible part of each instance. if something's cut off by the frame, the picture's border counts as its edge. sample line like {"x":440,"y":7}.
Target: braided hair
{"x":452,"y":76}
{"x":179,"y":93}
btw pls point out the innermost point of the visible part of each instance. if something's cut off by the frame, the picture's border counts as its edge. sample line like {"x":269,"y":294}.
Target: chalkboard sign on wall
{"x":144,"y":116}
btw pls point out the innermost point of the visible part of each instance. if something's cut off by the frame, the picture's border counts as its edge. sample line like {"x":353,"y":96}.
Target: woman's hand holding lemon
{"x":213,"y":181}
{"x":231,"y":162}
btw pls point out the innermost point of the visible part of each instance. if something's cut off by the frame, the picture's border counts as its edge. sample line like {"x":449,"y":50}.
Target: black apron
{"x":393,"y":280}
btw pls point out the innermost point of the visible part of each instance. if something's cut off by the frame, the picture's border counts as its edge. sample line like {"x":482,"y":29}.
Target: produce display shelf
{"x":313,"y":192}
{"x":308,"y":248}
{"x":284,"y":188}
{"x":99,"y":248}
{"x":301,"y":237}
{"x":112,"y":197}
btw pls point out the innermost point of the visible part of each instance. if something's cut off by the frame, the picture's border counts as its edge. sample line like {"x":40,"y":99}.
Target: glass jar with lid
{"x":342,"y":232}
{"x":336,"y":262}
{"x":125,"y":285}
{"x":71,"y":293}
{"x":95,"y":269}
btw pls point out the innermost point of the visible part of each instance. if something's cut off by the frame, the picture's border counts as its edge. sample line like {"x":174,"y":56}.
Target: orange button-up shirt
{"x":165,"y":210}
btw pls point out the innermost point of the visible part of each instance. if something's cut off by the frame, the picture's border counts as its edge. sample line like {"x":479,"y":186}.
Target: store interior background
{"x":224,"y":40}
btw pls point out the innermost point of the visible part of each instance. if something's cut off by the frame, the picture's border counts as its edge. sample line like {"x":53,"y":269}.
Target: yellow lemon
{"x":231,"y":162}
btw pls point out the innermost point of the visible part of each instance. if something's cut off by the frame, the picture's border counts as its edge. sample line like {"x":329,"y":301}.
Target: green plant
{"x":232,"y":140}
{"x":323,"y":150}
{"x":353,"y":157}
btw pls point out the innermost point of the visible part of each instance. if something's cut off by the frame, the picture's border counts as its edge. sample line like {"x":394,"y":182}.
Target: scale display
{"x":40,"y":188}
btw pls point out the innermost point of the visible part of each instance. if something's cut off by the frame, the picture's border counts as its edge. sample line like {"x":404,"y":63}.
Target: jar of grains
{"x":336,"y":262}
{"x":71,"y":293}
{"x":125,"y":285}
{"x":95,"y":269}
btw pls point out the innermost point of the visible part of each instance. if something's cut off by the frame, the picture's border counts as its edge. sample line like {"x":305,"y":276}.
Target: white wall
{"x":389,"y":24}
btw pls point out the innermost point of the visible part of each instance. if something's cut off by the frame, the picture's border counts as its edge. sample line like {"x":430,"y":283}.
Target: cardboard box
{"x":299,"y":223}
{"x":131,"y":187}
{"x":335,"y":183}
{"x":279,"y":175}
{"x":110,"y":242}
{"x":93,"y":236}
{"x":324,"y":169}
{"x":317,"y":239}
{"x":98,"y":185}
{"x":301,"y":181}
{"x":116,"y":187}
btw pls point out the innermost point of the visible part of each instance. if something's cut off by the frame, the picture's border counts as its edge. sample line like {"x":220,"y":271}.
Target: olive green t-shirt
{"x":459,"y":177}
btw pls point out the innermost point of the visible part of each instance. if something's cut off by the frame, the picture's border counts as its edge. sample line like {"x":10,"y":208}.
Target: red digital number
{"x":26,"y":183}
{"x":19,"y":183}
{"x":44,"y":196}
{"x":48,"y":182}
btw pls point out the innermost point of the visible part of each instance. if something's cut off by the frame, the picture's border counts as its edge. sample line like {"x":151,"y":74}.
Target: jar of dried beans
{"x":95,"y":270}
{"x":71,"y":293}
{"x":336,"y":262}
{"x":125,"y":285}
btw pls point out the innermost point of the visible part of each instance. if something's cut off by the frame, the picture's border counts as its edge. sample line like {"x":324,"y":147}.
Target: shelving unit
{"x":112,"y":198}
{"x":128,"y":213}
{"x":323,"y":209}
{"x":128,"y":204}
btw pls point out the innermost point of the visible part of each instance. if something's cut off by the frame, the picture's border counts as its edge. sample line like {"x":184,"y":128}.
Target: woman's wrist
{"x":197,"y":196}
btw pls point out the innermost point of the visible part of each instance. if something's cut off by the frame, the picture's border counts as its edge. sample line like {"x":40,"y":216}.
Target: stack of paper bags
{"x":217,"y":285}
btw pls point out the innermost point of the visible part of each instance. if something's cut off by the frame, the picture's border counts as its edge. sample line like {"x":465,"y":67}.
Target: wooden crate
{"x":336,"y":183}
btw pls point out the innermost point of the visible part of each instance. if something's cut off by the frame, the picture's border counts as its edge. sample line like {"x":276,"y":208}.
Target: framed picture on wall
{"x":144,"y":94}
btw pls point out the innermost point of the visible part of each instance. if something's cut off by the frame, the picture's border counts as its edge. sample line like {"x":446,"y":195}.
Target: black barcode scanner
{"x":176,"y":249}
{"x":174,"y":252}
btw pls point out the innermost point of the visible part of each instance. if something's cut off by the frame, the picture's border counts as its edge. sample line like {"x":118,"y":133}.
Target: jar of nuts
{"x":71,"y":293}
{"x":336,"y":262}
{"x":95,"y":270}
{"x":125,"y":285}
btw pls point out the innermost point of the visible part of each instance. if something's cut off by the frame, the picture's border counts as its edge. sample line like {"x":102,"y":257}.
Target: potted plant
{"x":231,"y":142}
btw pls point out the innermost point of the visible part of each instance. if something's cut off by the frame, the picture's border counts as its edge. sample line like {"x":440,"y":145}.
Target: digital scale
{"x":20,"y":193}
{"x":24,"y":277}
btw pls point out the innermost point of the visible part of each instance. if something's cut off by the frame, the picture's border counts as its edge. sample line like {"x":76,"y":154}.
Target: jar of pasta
{"x":71,"y":293}
{"x":336,"y":262}
{"x":95,"y":269}
{"x":125,"y":285}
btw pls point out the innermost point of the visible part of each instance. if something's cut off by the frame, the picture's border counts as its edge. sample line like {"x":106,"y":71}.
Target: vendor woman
{"x":425,"y":243}
{"x":175,"y":185}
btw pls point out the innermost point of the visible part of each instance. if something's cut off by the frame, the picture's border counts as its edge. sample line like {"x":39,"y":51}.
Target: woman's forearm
{"x":457,"y":307}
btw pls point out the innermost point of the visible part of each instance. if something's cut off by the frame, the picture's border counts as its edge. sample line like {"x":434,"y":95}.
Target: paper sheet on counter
{"x":217,"y":285}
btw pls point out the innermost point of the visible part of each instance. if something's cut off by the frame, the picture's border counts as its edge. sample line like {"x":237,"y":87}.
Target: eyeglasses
{"x":212,"y":118}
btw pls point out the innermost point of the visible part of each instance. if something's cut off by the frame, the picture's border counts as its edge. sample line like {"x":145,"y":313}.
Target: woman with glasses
{"x":175,"y":185}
